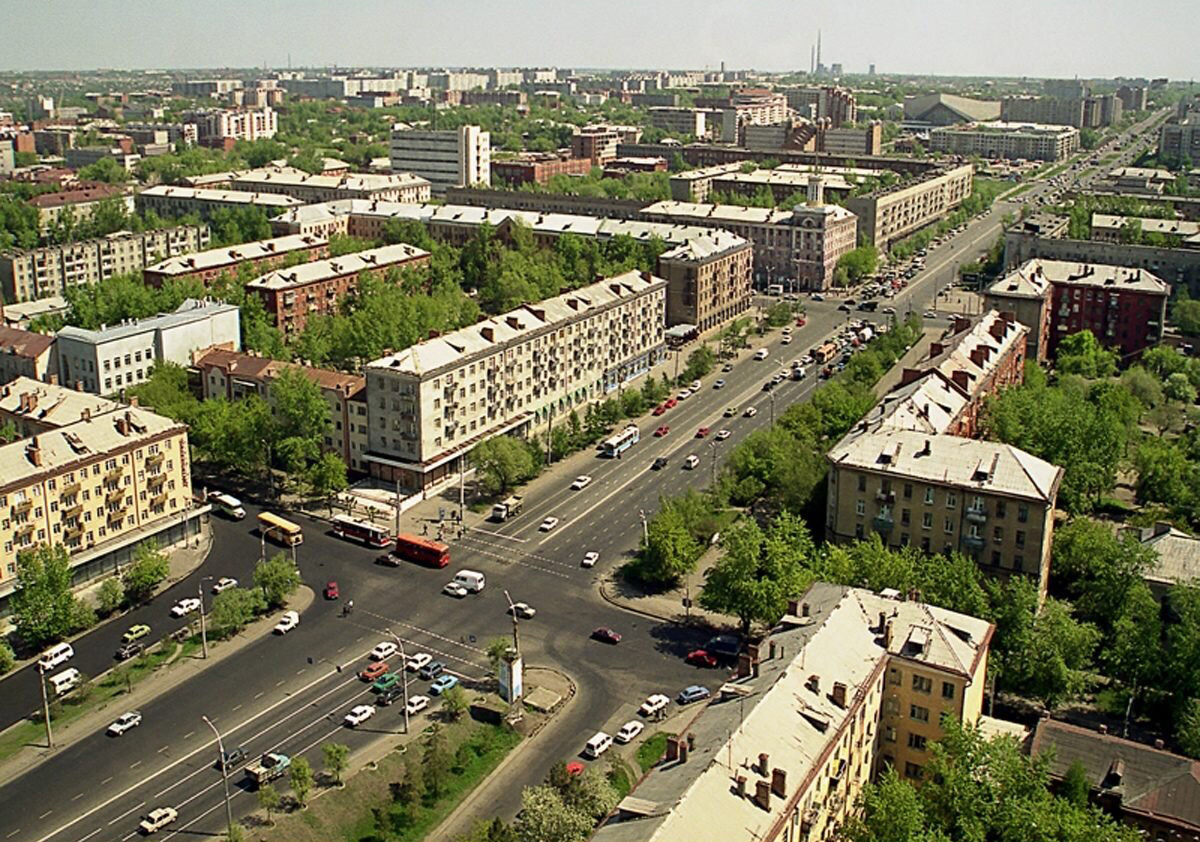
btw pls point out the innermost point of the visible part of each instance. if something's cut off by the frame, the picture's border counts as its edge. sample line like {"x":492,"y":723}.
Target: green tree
{"x":455,"y":703}
{"x":891,"y":810}
{"x":277,"y":578}
{"x":43,"y":604}
{"x":106,"y":170}
{"x":232,"y":609}
{"x":435,"y":761}
{"x":337,"y":758}
{"x":300,"y":775}
{"x":669,"y":550}
{"x":1143,"y":386}
{"x":1178,"y":387}
{"x":1080,"y":353}
{"x":1186,"y":314}
{"x":7,"y":659}
{"x":699,"y":363}
{"x":407,"y":791}
{"x":503,"y":462}
{"x":497,"y":651}
{"x":326,"y":477}
{"x":111,"y":595}
{"x":859,"y":262}
{"x":1053,"y":660}
{"x":1130,"y":655}
{"x":547,"y":817}
{"x":1187,"y":727}
{"x":590,"y":793}
{"x":269,"y":800}
{"x":1097,"y":569}
{"x":149,"y":569}
{"x":1075,"y":785}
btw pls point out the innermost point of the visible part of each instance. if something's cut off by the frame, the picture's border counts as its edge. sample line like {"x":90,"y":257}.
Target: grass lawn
{"x":652,"y":749}
{"x":620,"y":778}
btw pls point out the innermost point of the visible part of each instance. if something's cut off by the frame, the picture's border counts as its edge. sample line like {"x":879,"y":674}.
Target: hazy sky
{"x":1098,"y":38}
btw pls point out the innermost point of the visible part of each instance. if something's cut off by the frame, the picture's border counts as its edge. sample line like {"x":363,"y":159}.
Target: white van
{"x":227,"y":505}
{"x":65,"y":681}
{"x":471,"y":580}
{"x":598,"y":744}
{"x":691,"y":462}
{"x":55,"y":655}
{"x":761,"y":354}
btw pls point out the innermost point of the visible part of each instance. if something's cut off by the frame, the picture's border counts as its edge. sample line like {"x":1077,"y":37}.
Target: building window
{"x":1022,"y":514}
{"x":1019,"y":563}
{"x":889,"y":734}
{"x":905,"y":517}
{"x":908,"y":491}
{"x":949,"y":525}
{"x":947,"y":690}
{"x":860,"y":507}
{"x":858,"y":531}
{"x":894,"y":676}
{"x":951,"y":500}
{"x":916,"y":741}
{"x":927,"y":520}
{"x":918,"y":713}
{"x":995,"y":558}
{"x":922,"y":684}
{"x":1001,"y":508}
{"x":928,"y":496}
{"x":862,"y":483}
{"x":913,"y":770}
{"x":998,"y":535}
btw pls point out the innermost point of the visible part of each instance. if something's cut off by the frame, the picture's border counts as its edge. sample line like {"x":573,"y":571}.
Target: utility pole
{"x":45,"y":706}
{"x":404,"y":678}
{"x":203,"y":626}
{"x":397,"y":507}
{"x":772,"y":409}
{"x":224,"y":774}
{"x":462,"y":491}
{"x":516,"y":634}
{"x":645,"y":526}
{"x":549,"y":437}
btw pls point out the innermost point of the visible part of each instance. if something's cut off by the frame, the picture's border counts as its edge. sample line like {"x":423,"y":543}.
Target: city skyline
{"x":972,"y":39}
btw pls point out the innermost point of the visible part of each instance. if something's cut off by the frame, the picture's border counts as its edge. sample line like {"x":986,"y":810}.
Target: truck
{"x":267,"y":768}
{"x":511,"y":507}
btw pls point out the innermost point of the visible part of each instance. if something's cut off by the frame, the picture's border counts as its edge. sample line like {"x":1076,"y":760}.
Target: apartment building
{"x":26,"y":354}
{"x":1079,"y":112}
{"x":990,"y":501}
{"x":838,"y":105}
{"x":708,"y":280}
{"x":170,"y":201}
{"x":205,"y":87}
{"x":1179,"y":233}
{"x":599,"y":143}
{"x":850,"y":140}
{"x":106,"y":360}
{"x":803,"y":244}
{"x":83,"y":156}
{"x":293,"y":294}
{"x":696,"y":185}
{"x":430,"y":404}
{"x":1124,"y":308}
{"x":784,"y":182}
{"x":1026,"y":141}
{"x":289,"y":181}
{"x":79,"y":201}
{"x":683,"y":121}
{"x":216,"y":125}
{"x":538,"y":167}
{"x":890,"y":214}
{"x":48,"y":271}
{"x":232,"y":375}
{"x":1133,"y":97}
{"x":456,"y":158}
{"x":849,"y":682}
{"x":1179,"y":139}
{"x":98,"y":483}
{"x":258,"y":256}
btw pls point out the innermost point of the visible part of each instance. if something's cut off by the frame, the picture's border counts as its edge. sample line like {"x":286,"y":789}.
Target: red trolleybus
{"x":356,"y":530}
{"x":421,"y":550}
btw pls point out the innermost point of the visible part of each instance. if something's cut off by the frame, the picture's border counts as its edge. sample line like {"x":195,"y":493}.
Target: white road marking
{"x":188,"y":734}
{"x":118,"y":818}
{"x":43,"y":815}
{"x":106,"y":780}
{"x":135,"y":764}
{"x":90,"y":835}
{"x":77,"y":797}
{"x":497,"y":535}
{"x":14,"y":833}
{"x":164,"y":748}
{"x":259,"y":695}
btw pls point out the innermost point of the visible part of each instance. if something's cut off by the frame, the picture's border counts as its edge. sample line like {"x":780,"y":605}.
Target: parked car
{"x":415,"y":662}
{"x":582,"y":481}
{"x":224,"y":584}
{"x":590,"y":558}
{"x":695,"y":385}
{"x":653,"y":704}
{"x":443,"y":683}
{"x":124,"y":722}
{"x":629,"y":731}
{"x":670,"y":403}
{"x":135,"y":632}
{"x":386,"y":649}
{"x":185,"y":606}
{"x":373,"y":672}
{"x":358,"y":715}
{"x":659,"y":463}
{"x":606,"y":635}
{"x":684,"y":395}
{"x":129,"y":650}
{"x":416,"y":704}
{"x":288,"y":621}
{"x":523,"y":610}
{"x":332,"y":591}
{"x":719,"y":384}
{"x":691,"y":694}
{"x":701,"y":658}
{"x":659,"y":410}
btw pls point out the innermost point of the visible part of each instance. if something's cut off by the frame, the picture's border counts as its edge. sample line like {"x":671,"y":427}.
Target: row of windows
{"x":976,"y":503}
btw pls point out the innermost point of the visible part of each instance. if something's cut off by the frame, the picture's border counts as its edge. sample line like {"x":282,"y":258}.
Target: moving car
{"x":224,"y":584}
{"x":606,"y":635}
{"x":653,"y":704}
{"x":730,"y":411}
{"x":629,"y":731}
{"x":185,"y":607}
{"x":416,"y":704}
{"x":135,"y":632}
{"x":659,"y":463}
{"x":702,"y":432}
{"x":374,"y":672}
{"x":694,"y":693}
{"x":287,"y":622}
{"x":388,"y":696}
{"x":816,"y":296}
{"x":670,"y":403}
{"x":728,"y":367}
{"x":662,"y":431}
{"x":548,"y":524}
{"x":701,"y":658}
{"x":384,"y":683}
{"x":443,"y":683}
{"x":129,"y":650}
{"x":723,"y":434}
{"x":358,"y":715}
{"x":691,"y":462}
{"x":230,"y":757}
{"x":750,"y":412}
{"x":124,"y":722}
{"x":523,"y":610}
{"x":431,"y":670}
{"x":332,"y":591}
{"x":581,"y":481}
{"x":719,"y":384}
{"x":761,"y":354}
{"x":454,"y":589}
{"x":383,"y":650}
{"x":590,"y":558}
{"x":157,"y":819}
{"x":659,"y":410}
{"x":415,"y":662}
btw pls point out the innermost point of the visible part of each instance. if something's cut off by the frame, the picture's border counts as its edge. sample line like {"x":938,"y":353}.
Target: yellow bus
{"x":279,"y":530}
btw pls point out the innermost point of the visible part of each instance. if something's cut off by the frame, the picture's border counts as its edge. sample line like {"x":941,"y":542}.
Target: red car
{"x":331,"y":590}
{"x":800,"y":322}
{"x":606,"y":635}
{"x":374,"y":671}
{"x":670,"y":403}
{"x":701,"y":658}
{"x":662,"y":431}
{"x":660,"y":409}
{"x":702,"y":433}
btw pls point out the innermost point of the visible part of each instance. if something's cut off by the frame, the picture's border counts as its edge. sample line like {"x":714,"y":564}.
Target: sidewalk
{"x":169,"y":675}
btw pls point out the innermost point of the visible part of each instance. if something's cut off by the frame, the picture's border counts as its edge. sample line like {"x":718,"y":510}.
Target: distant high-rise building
{"x":870,"y":70}
{"x":457,"y":158}
{"x":836,"y":69}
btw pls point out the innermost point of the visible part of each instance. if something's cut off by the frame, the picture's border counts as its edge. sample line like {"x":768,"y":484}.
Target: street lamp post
{"x":203,"y":625}
{"x":404,"y":677}
{"x":45,"y":705}
{"x":645,"y":526}
{"x":712,"y":446}
{"x":224,"y":774}
{"x":772,"y":399}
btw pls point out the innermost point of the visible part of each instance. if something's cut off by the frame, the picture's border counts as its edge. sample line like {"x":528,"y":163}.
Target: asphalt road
{"x":285,"y":693}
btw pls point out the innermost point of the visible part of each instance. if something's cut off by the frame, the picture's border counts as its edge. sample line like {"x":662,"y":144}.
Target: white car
{"x":581,"y":481}
{"x":224,"y":584}
{"x":185,"y":607}
{"x":415,"y":662}
{"x":723,"y":434}
{"x":416,"y":704}
{"x":384,"y":651}
{"x":590,"y":559}
{"x":358,"y":715}
{"x":629,"y":731}
{"x":523,"y":610}
{"x":454,"y":589}
{"x":684,"y":395}
{"x":929,"y":314}
{"x":696,"y":385}
{"x":157,"y":819}
{"x":750,"y":412}
{"x":124,"y":722}
{"x":287,"y":622}
{"x":548,"y":524}
{"x":653,"y":704}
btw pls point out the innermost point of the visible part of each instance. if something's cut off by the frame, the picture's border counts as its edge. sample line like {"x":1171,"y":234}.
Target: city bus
{"x":825,"y":353}
{"x":619,"y":443}
{"x":279,"y":530}
{"x":227,"y":505}
{"x":421,"y":550}
{"x":357,"y":530}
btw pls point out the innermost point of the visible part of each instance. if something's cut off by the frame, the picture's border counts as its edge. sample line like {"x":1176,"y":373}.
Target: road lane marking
{"x":238,"y":706}
{"x":106,"y":780}
{"x":14,"y":833}
{"x":188,"y":734}
{"x":43,"y":815}
{"x":164,"y":748}
{"x":258,"y":696}
{"x":90,"y":835}
{"x":280,"y":682}
{"x":497,"y":534}
{"x":114,"y":821}
{"x":135,"y":764}
{"x":77,"y":797}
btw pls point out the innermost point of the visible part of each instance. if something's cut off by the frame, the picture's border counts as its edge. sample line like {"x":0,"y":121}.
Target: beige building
{"x":1107,"y":228}
{"x":26,"y":354}
{"x":941,"y":493}
{"x":848,"y":683}
{"x":43,"y":272}
{"x":430,"y":404}
{"x":289,"y":181}
{"x":708,"y":280}
{"x":170,"y":201}
{"x":98,"y":482}
{"x":1029,"y":141}
{"x":684,"y":121}
{"x":893,"y":213}
{"x":79,"y":203}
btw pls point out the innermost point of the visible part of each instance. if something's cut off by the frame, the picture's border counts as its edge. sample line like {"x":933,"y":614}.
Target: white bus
{"x":774,"y":289}
{"x":621,"y":442}
{"x":227,"y":505}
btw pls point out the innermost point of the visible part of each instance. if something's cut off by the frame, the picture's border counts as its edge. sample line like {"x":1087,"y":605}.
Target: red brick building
{"x":538,"y":168}
{"x":261,"y":256}
{"x":293,"y":294}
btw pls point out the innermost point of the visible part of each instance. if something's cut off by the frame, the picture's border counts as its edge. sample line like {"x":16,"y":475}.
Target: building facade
{"x":538,"y":167}
{"x":48,"y":271}
{"x":219,"y":124}
{"x":259,"y":256}
{"x":1027,"y":141}
{"x":107,"y":360}
{"x":708,"y":280}
{"x":691,"y":122}
{"x":430,"y":404}
{"x":169,"y":201}
{"x":289,"y":181}
{"x":294,"y":294}
{"x":457,"y":158}
{"x":79,"y":202}
{"x":891,"y":214}
{"x":26,"y":354}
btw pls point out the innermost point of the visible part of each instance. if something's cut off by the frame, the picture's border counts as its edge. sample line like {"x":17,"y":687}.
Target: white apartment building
{"x":171,"y":201}
{"x":457,"y":158}
{"x":430,"y":404}
{"x":1033,"y":141}
{"x":289,"y":181}
{"x":106,"y":360}
{"x":242,"y":124}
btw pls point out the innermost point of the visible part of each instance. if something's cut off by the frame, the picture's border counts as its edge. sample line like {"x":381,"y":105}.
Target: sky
{"x":1040,"y":38}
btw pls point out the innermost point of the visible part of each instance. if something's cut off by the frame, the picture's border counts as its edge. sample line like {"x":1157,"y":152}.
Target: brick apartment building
{"x":538,"y":167}
{"x":261,"y":255}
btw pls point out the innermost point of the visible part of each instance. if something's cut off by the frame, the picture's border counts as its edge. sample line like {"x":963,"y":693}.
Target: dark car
{"x":659,"y":463}
{"x":431,"y":670}
{"x":606,"y":635}
{"x":388,"y":696}
{"x":768,"y":386}
{"x":723,"y":646}
{"x":230,"y":757}
{"x":130,"y":650}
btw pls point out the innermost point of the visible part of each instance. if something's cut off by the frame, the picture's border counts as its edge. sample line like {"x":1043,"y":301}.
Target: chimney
{"x":752,"y":651}
{"x":771,"y":651}
{"x":488,"y":334}
{"x":926,"y":449}
{"x":741,"y":786}
{"x":764,"y":760}
{"x":34,"y":452}
{"x":839,"y":694}
{"x":744,"y":667}
{"x":882,"y":620}
{"x":793,"y":607}
{"x":936,"y":348}
{"x":683,"y":750}
{"x":779,"y":782}
{"x":123,"y":424}
{"x":813,"y":683}
{"x":887,"y":635}
{"x":762,"y":795}
{"x":672,"y":750}
{"x":78,"y":385}
{"x":804,"y":609}
{"x":960,"y":379}
{"x":86,"y":415}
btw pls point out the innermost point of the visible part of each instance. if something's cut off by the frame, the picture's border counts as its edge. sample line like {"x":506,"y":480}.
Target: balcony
{"x":156,"y":480}
{"x":883,"y":522}
{"x":68,"y":491}
{"x":977,"y":514}
{"x":973,"y":543}
{"x":155,"y":459}
{"x":114,"y":474}
{"x":158,"y":499}
{"x":73,"y":511}
{"x":22,"y":508}
{"x":885,"y":496}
